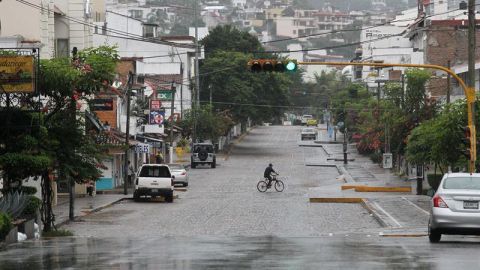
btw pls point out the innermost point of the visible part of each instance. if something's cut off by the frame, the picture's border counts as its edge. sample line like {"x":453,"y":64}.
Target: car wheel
{"x":136,"y":197}
{"x":434,"y":237}
{"x":169,"y":198}
{"x":193,"y":165}
{"x":214,"y":164}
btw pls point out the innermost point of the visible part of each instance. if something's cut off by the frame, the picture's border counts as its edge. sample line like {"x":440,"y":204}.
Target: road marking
{"x":416,"y":206}
{"x":388,"y":215}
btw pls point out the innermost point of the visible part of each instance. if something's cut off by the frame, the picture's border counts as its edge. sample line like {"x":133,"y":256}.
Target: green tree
{"x":211,"y":125}
{"x":229,"y":38}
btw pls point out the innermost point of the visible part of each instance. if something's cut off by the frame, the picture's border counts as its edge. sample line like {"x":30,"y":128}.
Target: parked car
{"x":203,"y":153}
{"x":308,"y":134}
{"x":305,"y":118}
{"x":455,"y":206}
{"x":180,"y":173}
{"x":154,"y":180}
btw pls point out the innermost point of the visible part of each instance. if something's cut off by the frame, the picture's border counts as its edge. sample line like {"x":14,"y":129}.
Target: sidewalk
{"x":84,"y":205}
{"x":389,"y":198}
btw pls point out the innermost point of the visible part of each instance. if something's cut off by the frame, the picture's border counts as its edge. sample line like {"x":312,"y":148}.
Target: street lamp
{"x":173,"y":89}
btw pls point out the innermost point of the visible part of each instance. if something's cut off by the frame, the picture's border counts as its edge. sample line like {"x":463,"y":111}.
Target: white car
{"x":308,"y":133}
{"x":180,"y":173}
{"x":455,"y":206}
{"x":154,"y":180}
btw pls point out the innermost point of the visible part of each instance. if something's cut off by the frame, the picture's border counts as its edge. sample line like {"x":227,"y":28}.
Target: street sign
{"x":142,"y":148}
{"x":102,"y":104}
{"x":164,"y":95}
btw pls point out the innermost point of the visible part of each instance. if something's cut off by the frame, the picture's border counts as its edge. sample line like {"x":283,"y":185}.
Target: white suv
{"x":154,"y":180}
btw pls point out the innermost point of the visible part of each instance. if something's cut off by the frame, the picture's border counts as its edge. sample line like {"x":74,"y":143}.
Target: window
{"x":462,"y":183}
{"x":61,"y":48}
{"x":155,"y":171}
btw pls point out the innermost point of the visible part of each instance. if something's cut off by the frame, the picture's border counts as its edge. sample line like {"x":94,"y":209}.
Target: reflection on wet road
{"x":336,"y":252}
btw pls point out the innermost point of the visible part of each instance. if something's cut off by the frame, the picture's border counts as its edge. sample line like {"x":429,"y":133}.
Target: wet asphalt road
{"x":266,"y":252}
{"x":223,"y":222}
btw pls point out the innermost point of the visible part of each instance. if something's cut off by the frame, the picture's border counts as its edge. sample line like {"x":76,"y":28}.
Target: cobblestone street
{"x":224,"y":201}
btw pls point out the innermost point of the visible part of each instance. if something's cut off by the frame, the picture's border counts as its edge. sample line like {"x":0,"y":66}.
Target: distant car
{"x":203,"y":153}
{"x":305,"y":118}
{"x":312,"y":122}
{"x":154,"y":180}
{"x":308,"y":134}
{"x":180,"y":173}
{"x":455,"y":206}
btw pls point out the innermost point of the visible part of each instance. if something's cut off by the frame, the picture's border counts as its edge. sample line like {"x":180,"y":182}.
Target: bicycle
{"x":263,"y":186}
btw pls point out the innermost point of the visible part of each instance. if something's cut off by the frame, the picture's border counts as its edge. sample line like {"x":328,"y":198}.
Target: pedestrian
{"x":131,"y":173}
{"x":159,"y":158}
{"x":90,"y":185}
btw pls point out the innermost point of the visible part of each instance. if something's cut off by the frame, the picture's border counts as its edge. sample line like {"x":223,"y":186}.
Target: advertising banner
{"x":17,"y":74}
{"x":157,"y":113}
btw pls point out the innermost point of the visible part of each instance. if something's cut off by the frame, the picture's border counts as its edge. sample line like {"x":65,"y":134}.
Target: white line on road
{"x":388,"y":215}
{"x":416,"y":206}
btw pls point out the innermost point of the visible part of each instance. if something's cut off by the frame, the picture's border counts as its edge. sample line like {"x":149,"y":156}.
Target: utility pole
{"x":71,"y":181}
{"x":197,"y":78}
{"x":173,"y":87}
{"x":471,"y":76}
{"x":127,"y":133}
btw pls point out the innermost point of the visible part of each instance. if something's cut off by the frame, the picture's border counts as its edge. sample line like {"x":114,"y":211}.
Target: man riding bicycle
{"x":268,"y":174}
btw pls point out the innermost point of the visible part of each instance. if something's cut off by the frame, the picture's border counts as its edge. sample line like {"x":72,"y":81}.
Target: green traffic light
{"x":291,"y":66}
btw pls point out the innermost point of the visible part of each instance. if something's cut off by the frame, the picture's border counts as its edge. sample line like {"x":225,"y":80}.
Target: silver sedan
{"x":180,"y":173}
{"x":455,"y":206}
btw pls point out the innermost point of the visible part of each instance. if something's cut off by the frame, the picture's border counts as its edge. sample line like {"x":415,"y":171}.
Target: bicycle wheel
{"x":279,"y":186}
{"x":262,"y":186}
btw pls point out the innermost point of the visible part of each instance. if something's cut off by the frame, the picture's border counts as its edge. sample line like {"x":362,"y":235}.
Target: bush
{"x":434,"y":180}
{"x":5,"y":225}
{"x":31,"y":208}
{"x":376,"y":157}
{"x":182,"y":142}
{"x":13,"y":204}
{"x":28,"y":190}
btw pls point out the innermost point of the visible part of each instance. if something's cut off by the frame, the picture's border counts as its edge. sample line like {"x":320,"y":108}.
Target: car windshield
{"x":307,"y":116}
{"x":308,"y":130}
{"x":462,"y":183}
{"x":176,"y":166}
{"x":155,"y":171}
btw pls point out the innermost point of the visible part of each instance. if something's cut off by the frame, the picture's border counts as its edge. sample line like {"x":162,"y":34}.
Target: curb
{"x":363,"y":202}
{"x":382,"y":189}
{"x":93,"y":211}
{"x":366,"y":205}
{"x":336,"y":200}
{"x":404,"y":235}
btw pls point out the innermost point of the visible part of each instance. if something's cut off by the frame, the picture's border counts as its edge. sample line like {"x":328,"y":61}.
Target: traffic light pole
{"x":468,"y":90}
{"x":471,"y":82}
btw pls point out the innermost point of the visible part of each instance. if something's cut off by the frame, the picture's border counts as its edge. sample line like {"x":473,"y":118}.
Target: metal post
{"x":403,"y":89}
{"x":127,"y":133}
{"x":181,"y":91}
{"x":471,"y":80}
{"x":171,"y":123}
{"x":378,"y":91}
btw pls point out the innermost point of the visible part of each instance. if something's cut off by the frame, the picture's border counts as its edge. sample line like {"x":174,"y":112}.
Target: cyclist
{"x":268,"y":174}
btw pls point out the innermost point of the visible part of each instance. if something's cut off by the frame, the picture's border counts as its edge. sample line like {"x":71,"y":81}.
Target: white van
{"x":154,"y":180}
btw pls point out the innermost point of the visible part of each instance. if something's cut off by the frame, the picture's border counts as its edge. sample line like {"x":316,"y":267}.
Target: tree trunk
{"x":46,"y":210}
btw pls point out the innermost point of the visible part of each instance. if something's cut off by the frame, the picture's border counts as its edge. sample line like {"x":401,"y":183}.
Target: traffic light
{"x":272,"y":65}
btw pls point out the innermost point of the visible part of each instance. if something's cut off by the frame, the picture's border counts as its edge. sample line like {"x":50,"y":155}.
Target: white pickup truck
{"x":154,"y":180}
